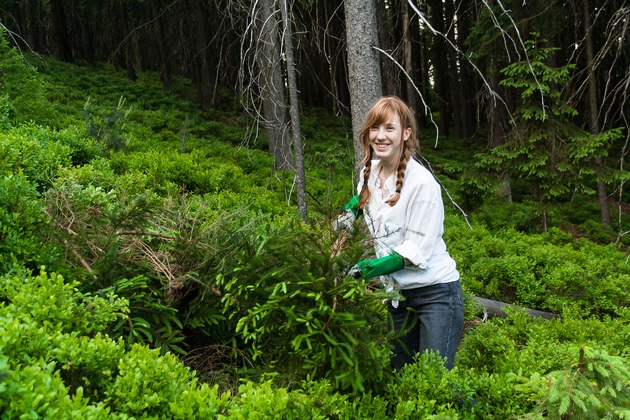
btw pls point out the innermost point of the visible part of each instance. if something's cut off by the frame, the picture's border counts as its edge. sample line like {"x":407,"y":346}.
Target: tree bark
{"x":410,"y":93}
{"x":271,"y":84}
{"x":594,"y":112}
{"x":498,"y":127}
{"x":440,"y":66}
{"x":466,"y":80}
{"x":63,"y":50}
{"x":456,"y":94}
{"x":294,"y":110}
{"x":496,"y":308}
{"x":203,"y":55}
{"x":421,"y":46}
{"x":164,"y":68}
{"x":364,"y":72}
{"x":386,"y":34}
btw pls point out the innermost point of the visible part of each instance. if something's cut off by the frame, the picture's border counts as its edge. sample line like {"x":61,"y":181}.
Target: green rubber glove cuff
{"x":381,"y":266}
{"x":353,"y":206}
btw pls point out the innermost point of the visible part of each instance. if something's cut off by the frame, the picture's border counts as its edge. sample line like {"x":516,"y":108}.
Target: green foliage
{"x":146,"y":384}
{"x":29,"y":152}
{"x":520,"y":343}
{"x":596,"y":386}
{"x":103,"y":231}
{"x":23,"y":226}
{"x":298,"y":313}
{"x":5,"y":108}
{"x":56,"y":363}
{"x":106,"y":129}
{"x":74,"y":311}
{"x":545,"y":147}
{"x":152,"y":319}
{"x":423,"y":389}
{"x":542,"y":271}
{"x":310,"y":400}
{"x":181,"y":241}
{"x":22,"y":96}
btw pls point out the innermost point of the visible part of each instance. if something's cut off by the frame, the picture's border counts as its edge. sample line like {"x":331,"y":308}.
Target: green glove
{"x":353,"y":206}
{"x":377,"y":267}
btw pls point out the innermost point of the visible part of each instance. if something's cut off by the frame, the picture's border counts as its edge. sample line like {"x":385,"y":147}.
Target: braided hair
{"x":381,"y":112}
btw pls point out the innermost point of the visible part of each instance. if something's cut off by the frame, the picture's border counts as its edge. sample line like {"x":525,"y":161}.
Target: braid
{"x":365,"y":191}
{"x":402,"y":168}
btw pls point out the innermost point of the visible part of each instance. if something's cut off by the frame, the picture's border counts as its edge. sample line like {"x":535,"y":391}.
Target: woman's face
{"x":386,"y":139}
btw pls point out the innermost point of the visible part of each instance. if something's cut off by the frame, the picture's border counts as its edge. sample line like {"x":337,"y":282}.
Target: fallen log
{"x":496,"y":308}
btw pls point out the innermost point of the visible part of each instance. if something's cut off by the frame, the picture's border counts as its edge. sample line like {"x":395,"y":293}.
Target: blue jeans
{"x":429,"y":318}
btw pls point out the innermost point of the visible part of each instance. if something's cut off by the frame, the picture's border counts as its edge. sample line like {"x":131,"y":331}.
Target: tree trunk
{"x":421,"y":47}
{"x":594,"y":111}
{"x":496,"y":308}
{"x":390,"y":79}
{"x":364,"y":72}
{"x":410,"y":92}
{"x":63,"y":51}
{"x":466,"y":80}
{"x":456,"y":93}
{"x":338,"y":60}
{"x":498,"y":127}
{"x":203,"y":50}
{"x":294,"y":110}
{"x":164,"y":68}
{"x":271,"y":85}
{"x":440,"y":66}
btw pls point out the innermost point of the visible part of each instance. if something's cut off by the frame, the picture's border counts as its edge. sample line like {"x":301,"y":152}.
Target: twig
{"x":141,"y":233}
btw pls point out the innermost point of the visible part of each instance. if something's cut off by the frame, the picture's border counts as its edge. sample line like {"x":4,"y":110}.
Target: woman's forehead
{"x":390,"y":118}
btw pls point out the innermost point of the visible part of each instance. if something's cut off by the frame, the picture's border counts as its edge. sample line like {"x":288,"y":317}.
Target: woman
{"x":403,"y":209}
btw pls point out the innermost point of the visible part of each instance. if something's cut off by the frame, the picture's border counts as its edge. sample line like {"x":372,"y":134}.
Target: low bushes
{"x":180,"y":245}
{"x":550,"y":272}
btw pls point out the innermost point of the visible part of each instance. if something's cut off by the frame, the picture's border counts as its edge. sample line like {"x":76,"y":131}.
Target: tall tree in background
{"x":408,"y":52}
{"x":294,"y":107}
{"x":270,"y":83}
{"x":439,"y":64}
{"x":593,"y":111}
{"x":364,"y":72}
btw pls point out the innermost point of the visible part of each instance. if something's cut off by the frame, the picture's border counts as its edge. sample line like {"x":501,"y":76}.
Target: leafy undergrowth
{"x":152,"y":266}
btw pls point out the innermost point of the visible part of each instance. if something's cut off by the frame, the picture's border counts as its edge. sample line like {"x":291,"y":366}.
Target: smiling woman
{"x":403,"y":209}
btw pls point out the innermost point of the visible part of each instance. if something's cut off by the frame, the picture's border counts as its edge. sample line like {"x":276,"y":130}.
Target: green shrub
{"x":22,"y":86}
{"x":422,"y":390}
{"x":56,"y":363}
{"x":297,"y":313}
{"x":50,"y":301}
{"x":597,"y":385}
{"x":545,"y":271}
{"x":30,"y":153}
{"x":520,"y":343}
{"x":23,"y":227}
{"x":36,"y":391}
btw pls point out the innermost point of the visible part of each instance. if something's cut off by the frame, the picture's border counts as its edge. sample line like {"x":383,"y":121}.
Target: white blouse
{"x":413,"y":227}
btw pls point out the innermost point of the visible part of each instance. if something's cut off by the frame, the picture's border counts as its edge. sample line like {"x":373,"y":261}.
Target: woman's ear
{"x":407,"y":134}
